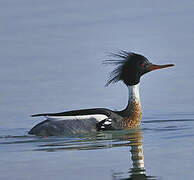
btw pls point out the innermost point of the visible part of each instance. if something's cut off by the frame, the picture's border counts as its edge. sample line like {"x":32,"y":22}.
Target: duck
{"x":129,"y":68}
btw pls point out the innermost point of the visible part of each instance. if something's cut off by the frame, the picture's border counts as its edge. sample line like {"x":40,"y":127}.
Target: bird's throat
{"x":134,"y":114}
{"x":134,"y":93}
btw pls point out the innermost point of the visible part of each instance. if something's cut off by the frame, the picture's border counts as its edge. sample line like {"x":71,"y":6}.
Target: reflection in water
{"x":101,"y":140}
{"x":137,"y":172}
{"x":130,"y":138}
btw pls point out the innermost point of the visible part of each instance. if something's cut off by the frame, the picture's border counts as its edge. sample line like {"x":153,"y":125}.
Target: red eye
{"x":142,"y":65}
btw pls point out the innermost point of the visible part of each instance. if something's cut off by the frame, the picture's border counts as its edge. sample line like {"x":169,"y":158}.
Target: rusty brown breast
{"x":134,"y":115}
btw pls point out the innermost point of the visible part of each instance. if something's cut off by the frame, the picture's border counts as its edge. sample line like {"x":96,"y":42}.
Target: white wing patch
{"x":98,"y":117}
{"x":107,"y":122}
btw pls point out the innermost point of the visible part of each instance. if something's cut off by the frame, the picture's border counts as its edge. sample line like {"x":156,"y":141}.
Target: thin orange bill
{"x":154,"y":66}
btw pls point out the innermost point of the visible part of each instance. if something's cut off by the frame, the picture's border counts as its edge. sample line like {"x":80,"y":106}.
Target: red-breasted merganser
{"x":129,"y":68}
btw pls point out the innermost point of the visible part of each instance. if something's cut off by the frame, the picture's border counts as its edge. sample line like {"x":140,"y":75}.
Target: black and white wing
{"x":75,"y":122}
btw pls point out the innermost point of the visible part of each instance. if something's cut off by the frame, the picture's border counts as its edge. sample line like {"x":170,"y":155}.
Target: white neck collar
{"x":134,"y":92}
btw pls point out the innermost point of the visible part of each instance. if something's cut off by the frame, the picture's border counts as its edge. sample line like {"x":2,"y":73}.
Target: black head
{"x":130,"y":67}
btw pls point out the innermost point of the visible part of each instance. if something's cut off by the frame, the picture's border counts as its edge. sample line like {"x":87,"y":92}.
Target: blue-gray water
{"x":50,"y":61}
